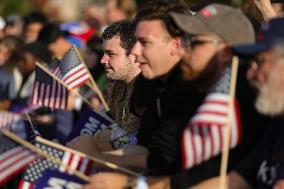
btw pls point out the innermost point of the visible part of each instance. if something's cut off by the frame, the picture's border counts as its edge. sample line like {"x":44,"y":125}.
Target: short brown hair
{"x":123,"y":29}
{"x":159,"y":10}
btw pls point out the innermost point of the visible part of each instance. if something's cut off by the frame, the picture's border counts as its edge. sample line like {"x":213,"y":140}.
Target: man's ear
{"x":225,"y":55}
{"x":176,"y":46}
{"x":132,"y":58}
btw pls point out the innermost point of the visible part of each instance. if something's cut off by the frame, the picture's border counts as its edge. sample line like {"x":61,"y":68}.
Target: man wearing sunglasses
{"x":211,"y":34}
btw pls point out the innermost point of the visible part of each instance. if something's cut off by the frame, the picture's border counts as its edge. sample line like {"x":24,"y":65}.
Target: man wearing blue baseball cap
{"x":271,"y":33}
{"x":264,"y":167}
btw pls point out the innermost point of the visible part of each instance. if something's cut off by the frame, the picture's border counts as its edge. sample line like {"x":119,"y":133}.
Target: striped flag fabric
{"x":74,"y":72}
{"x":13,"y":159}
{"x":48,"y":92}
{"x":203,"y":136}
{"x":73,"y":160}
{"x":7,"y":119}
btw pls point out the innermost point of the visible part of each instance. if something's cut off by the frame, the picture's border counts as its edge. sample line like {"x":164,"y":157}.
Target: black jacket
{"x":171,"y":103}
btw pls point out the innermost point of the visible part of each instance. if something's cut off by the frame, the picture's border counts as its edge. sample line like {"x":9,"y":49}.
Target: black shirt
{"x":265,"y":165}
{"x":172,"y":103}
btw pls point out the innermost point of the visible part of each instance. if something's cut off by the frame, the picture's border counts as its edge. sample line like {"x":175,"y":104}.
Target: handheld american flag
{"x":202,"y":138}
{"x":70,"y":161}
{"x":7,"y":119}
{"x":74,"y":72}
{"x":13,"y":159}
{"x":48,"y":92}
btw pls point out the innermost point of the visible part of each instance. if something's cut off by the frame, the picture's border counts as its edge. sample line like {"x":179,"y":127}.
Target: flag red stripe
{"x":201,"y":123}
{"x":238,"y":120}
{"x":203,"y":137}
{"x":220,"y":102}
{"x":55,"y":95}
{"x":14,"y":162}
{"x":221,"y":132}
{"x":25,"y":185}
{"x":211,"y":142}
{"x":76,"y":74}
{"x":33,"y":94}
{"x":212,"y":113}
{"x":44,"y":95}
{"x":193,"y":147}
{"x":78,"y":84}
{"x":38,"y":94}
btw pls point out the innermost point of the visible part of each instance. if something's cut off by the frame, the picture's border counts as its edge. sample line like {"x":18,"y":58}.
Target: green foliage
{"x":8,"y":7}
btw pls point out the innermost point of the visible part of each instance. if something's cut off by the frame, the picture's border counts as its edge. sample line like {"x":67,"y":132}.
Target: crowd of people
{"x":166,"y":72}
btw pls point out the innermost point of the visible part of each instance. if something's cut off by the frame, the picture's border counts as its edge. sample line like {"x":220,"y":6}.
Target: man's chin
{"x":147,"y":75}
{"x":109,"y":76}
{"x":146,"y":71}
{"x":270,"y":102}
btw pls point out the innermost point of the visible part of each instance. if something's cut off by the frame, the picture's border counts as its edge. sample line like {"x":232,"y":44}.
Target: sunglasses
{"x":192,"y":42}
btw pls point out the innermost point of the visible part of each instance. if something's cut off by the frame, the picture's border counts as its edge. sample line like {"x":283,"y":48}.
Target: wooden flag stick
{"x":225,"y":151}
{"x":32,"y":125}
{"x":33,"y":148}
{"x":105,"y":163}
{"x":62,"y":83}
{"x":96,"y":89}
{"x":94,"y":86}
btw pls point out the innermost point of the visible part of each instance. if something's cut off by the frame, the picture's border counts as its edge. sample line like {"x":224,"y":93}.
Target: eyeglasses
{"x":258,"y":62}
{"x":253,"y":65}
{"x":195,"y":42}
{"x":192,"y":42}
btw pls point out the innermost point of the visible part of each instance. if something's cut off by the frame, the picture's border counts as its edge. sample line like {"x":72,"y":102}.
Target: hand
{"x":44,"y":119}
{"x":260,"y":3}
{"x":279,"y":184}
{"x":107,"y":181}
{"x":96,"y":102}
{"x":266,"y":9}
{"x":84,"y":143}
{"x":102,"y":140}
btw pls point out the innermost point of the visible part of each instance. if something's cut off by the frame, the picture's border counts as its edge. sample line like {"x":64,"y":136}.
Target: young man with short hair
{"x":121,"y":68}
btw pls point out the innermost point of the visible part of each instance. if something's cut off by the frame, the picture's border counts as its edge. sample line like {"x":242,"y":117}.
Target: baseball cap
{"x":270,"y":34}
{"x":229,"y":23}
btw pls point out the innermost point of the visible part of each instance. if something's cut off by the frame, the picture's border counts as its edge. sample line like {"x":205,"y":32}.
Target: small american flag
{"x":73,"y":160}
{"x":7,"y":119}
{"x":74,"y":72}
{"x":202,"y":138}
{"x":48,"y":92}
{"x":13,"y":159}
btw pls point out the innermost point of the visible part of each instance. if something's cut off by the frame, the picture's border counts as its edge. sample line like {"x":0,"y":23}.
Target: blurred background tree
{"x":20,"y":7}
